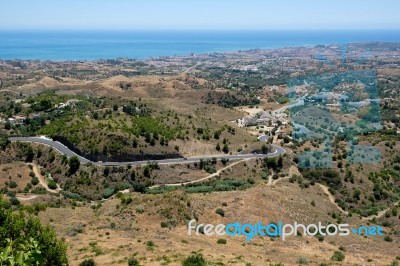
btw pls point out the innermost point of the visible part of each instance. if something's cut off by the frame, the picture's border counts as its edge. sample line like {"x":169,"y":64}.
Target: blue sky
{"x":200,"y":14}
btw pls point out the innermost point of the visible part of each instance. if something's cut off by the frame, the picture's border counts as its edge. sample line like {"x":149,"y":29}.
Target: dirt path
{"x":332,"y":198}
{"x":380,"y":214}
{"x":368,"y":218}
{"x":201,"y":179}
{"x":42,"y":179}
{"x":22,"y":197}
{"x":292,"y":171}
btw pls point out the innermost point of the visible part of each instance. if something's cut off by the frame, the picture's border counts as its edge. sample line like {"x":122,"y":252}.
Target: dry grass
{"x":121,"y":233}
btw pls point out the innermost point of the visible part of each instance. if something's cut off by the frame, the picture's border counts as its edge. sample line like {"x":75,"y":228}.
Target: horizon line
{"x":198,"y":29}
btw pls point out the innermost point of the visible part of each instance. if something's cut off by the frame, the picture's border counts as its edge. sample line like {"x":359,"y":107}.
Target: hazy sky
{"x":200,"y":14}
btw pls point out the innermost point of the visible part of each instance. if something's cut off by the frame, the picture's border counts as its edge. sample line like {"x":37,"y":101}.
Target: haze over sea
{"x":91,"y":45}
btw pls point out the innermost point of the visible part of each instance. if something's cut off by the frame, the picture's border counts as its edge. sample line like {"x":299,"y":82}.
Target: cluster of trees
{"x":273,"y":163}
{"x":150,"y":127}
{"x":131,"y":109}
{"x":225,"y":147}
{"x":42,"y":105}
{"x":219,"y":185}
{"x":4,"y":142}
{"x":25,"y":241}
{"x":208,"y":165}
{"x":229,"y":100}
{"x":329,"y":177}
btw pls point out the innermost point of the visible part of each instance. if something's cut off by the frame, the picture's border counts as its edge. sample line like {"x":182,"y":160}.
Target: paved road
{"x":65,"y":150}
{"x":61,"y":148}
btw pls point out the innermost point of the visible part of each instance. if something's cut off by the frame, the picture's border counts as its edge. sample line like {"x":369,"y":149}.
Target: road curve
{"x":61,"y":148}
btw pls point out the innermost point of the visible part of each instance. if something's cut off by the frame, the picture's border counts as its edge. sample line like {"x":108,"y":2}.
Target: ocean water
{"x":90,"y":45}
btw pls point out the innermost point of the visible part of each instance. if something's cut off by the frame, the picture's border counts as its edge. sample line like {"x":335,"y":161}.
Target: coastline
{"x":82,"y":45}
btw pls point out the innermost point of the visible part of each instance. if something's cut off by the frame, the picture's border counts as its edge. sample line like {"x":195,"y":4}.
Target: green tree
{"x":218,"y":147}
{"x":225,"y":149}
{"x":7,"y":125}
{"x":29,"y":154}
{"x":280,"y":162}
{"x":217,"y":134}
{"x":25,"y":241}
{"x":74,"y":164}
{"x":24,"y":253}
{"x":264,"y":149}
{"x":4,"y":142}
{"x":52,"y":184}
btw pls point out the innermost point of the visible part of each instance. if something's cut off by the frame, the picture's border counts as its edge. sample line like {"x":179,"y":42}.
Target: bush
{"x":39,"y":190}
{"x":52,"y":184}
{"x":34,"y":181}
{"x":388,"y":239}
{"x":108,"y":192}
{"x":36,"y":242}
{"x":74,"y":164}
{"x":338,"y":256}
{"x":133,"y":262}
{"x":71,"y":195}
{"x":140,"y":209}
{"x":87,"y":262}
{"x":302,"y":260}
{"x":4,"y":142}
{"x":220,"y":212}
{"x":164,"y":224}
{"x":14,"y":201}
{"x":12,"y":184}
{"x":125,"y":200}
{"x":225,"y":149}
{"x":194,"y":260}
{"x":221,"y":241}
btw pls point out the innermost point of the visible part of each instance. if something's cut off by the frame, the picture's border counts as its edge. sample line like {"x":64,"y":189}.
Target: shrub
{"x":4,"y":142}
{"x":221,"y":241}
{"x":14,"y":201}
{"x":108,"y":192}
{"x":140,"y":209}
{"x":74,"y":230}
{"x":34,"y":181}
{"x":220,"y":212}
{"x":74,"y":164}
{"x":195,"y":260}
{"x":133,"y":262}
{"x":225,"y":149}
{"x":338,"y":256}
{"x":302,"y":260}
{"x":39,"y":190}
{"x":164,"y":224}
{"x":87,"y":262}
{"x":71,"y":195}
{"x":388,"y":239}
{"x":52,"y":184}
{"x":126,"y":200}
{"x":12,"y":184}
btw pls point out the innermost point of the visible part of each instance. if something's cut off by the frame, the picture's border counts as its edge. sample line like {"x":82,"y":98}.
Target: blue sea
{"x":91,"y":45}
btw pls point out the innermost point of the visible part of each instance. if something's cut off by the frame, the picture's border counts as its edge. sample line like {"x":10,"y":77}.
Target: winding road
{"x":61,"y":148}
